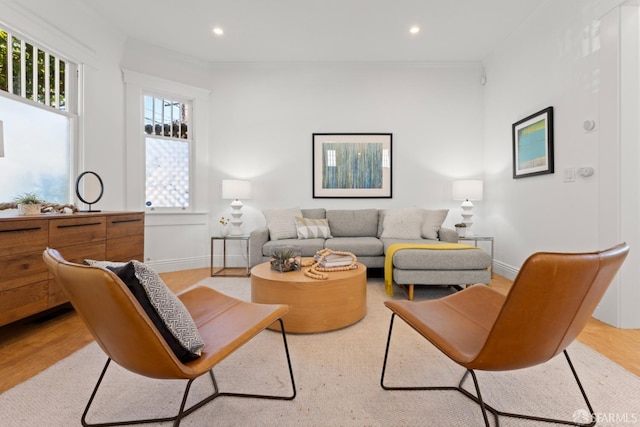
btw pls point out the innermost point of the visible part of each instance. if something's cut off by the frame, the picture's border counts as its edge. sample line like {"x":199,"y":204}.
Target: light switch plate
{"x":569,"y":175}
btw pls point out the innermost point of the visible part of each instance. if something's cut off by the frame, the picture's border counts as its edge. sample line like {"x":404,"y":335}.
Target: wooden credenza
{"x":26,"y":287}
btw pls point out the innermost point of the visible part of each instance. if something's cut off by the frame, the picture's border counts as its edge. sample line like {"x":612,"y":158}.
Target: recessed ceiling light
{"x":218,"y":31}
{"x":414,"y":30}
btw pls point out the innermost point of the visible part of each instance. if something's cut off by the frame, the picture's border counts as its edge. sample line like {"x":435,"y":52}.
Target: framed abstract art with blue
{"x":352,"y":165}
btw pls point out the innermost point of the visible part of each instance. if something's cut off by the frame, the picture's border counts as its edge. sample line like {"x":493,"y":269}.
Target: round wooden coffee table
{"x":316,"y":305}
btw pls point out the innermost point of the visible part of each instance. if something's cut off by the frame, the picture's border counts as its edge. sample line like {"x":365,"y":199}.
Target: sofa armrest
{"x":257,"y":239}
{"x":448,"y":235}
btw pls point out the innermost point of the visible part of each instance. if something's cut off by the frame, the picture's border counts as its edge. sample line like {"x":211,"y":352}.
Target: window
{"x":38,"y":127}
{"x":167,"y":152}
{"x":32,"y":73}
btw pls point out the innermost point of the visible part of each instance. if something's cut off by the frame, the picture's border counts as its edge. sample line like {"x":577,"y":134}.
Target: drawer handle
{"x":79,"y":225}
{"x":120,"y":221}
{"x":15,"y":230}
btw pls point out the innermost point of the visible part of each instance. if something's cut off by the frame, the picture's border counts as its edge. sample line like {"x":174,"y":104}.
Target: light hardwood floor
{"x":28,"y":347}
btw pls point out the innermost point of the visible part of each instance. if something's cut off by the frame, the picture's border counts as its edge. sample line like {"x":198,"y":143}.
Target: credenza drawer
{"x":78,"y":253}
{"x":66,"y":232}
{"x":23,"y":301}
{"x":125,"y":225}
{"x":18,"y":270}
{"x":126,"y":248}
{"x":19,"y":237}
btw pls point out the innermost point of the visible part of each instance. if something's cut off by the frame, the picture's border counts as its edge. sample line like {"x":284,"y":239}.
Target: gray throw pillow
{"x":281,"y":223}
{"x":402,"y":224}
{"x":432,"y":222}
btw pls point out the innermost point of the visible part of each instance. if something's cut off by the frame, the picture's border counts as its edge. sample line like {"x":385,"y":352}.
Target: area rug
{"x":338,"y":381}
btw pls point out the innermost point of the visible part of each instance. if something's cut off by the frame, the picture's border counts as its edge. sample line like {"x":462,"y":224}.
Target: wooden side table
{"x":224,"y":239}
{"x":478,"y":238}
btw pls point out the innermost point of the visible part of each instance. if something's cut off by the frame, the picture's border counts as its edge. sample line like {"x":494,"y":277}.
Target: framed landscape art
{"x":352,"y":165}
{"x":533,"y":144}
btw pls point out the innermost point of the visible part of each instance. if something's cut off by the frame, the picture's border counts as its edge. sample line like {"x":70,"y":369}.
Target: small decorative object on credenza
{"x":28,"y":204}
{"x":89,"y":189}
{"x":286,"y":258}
{"x":461,"y":228}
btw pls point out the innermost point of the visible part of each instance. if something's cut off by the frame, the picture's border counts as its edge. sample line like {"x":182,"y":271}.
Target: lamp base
{"x":236,"y":215}
{"x":467,"y":214}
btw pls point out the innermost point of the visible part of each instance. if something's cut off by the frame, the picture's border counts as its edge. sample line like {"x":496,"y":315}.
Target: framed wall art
{"x":352,"y":165}
{"x":533,"y":144}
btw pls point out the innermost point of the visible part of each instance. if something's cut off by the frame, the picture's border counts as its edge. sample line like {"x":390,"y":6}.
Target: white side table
{"x":224,"y":239}
{"x":478,"y":238}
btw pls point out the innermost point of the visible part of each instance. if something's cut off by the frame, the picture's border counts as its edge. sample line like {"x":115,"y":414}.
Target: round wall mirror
{"x":89,"y":189}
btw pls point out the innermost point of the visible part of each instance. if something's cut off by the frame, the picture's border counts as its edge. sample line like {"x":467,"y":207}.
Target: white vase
{"x":224,"y":231}
{"x":28,"y":209}
{"x":462,"y":231}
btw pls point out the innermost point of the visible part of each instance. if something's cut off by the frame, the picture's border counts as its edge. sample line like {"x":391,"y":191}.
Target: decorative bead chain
{"x":317,"y":272}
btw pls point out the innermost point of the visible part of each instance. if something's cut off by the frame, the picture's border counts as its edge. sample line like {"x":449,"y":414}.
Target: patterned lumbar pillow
{"x":310,"y":228}
{"x":166,"y":311}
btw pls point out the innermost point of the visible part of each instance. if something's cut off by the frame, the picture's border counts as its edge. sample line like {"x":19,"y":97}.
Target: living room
{"x":451,"y":118}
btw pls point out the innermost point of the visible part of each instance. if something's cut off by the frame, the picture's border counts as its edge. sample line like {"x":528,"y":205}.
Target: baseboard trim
{"x":168,"y":265}
{"x":505,"y":270}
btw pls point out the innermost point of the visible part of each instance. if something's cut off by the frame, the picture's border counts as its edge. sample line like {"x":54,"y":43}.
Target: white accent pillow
{"x":310,"y":228}
{"x":282,"y":223}
{"x":402,"y":224}
{"x":432,"y":222}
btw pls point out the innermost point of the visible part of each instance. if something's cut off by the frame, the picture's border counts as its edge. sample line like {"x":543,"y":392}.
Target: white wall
{"x":556,"y":60}
{"x":264,"y":115}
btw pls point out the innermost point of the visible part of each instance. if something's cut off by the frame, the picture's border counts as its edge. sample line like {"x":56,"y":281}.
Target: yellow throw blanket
{"x":388,"y":261}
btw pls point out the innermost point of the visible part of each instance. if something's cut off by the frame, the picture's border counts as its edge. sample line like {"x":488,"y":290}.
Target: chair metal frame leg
{"x":182,"y":412}
{"x":477,"y":398}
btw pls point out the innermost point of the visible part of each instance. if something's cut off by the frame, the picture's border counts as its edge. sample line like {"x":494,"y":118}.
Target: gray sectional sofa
{"x":368,"y":233}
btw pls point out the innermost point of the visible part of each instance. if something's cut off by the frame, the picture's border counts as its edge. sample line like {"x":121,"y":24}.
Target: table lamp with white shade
{"x":467,"y":190}
{"x":236,"y":189}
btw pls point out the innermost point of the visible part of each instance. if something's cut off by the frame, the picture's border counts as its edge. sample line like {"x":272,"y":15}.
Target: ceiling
{"x":320,"y":30}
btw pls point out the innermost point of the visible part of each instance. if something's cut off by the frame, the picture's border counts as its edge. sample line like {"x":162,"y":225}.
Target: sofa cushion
{"x":402,"y":224}
{"x":432,"y":222}
{"x":388,"y":242}
{"x":353,"y":222}
{"x":308,"y":247}
{"x":429,"y":259}
{"x":317,"y":213}
{"x":310,"y":228}
{"x":359,"y":246}
{"x":281,"y":223}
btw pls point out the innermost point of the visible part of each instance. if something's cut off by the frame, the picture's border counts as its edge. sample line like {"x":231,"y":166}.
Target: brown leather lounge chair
{"x":128,"y":336}
{"x":551,"y":300}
